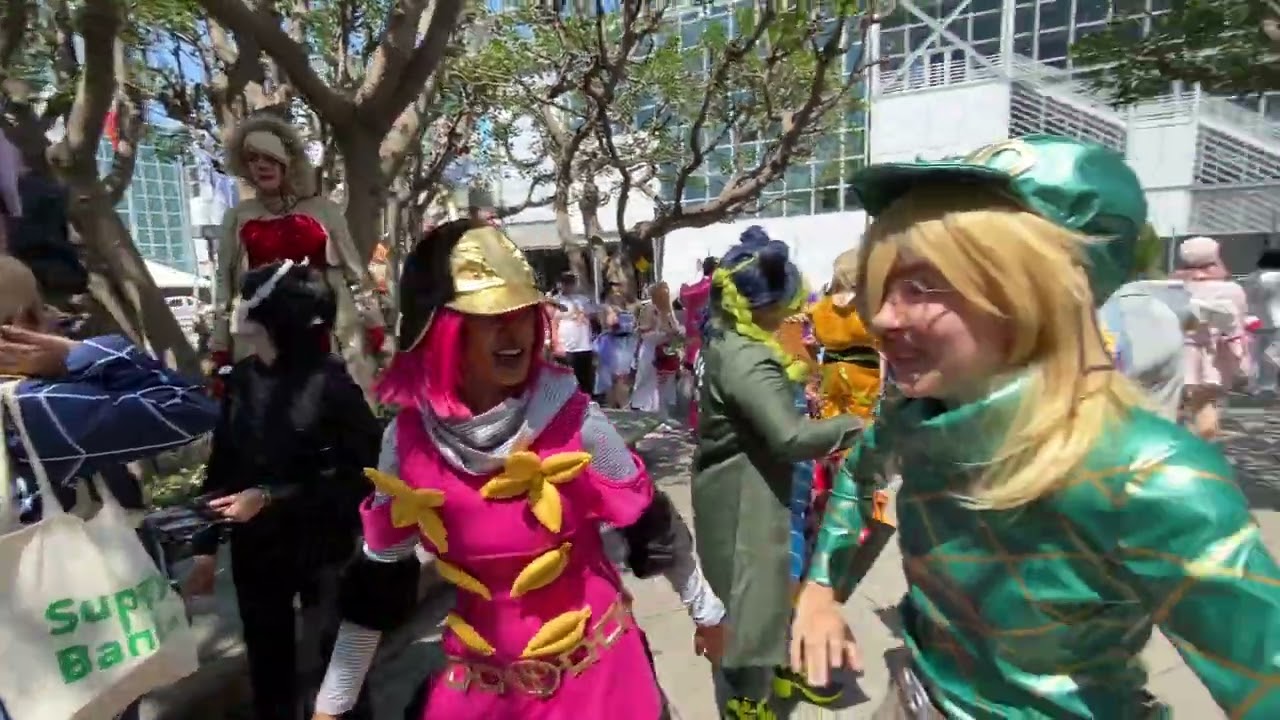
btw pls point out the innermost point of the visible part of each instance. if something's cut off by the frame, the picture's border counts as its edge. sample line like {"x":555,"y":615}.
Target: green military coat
{"x":749,"y":435}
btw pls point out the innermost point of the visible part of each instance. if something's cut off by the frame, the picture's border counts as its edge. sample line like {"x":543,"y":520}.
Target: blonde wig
{"x":1028,"y":272}
{"x":300,"y":174}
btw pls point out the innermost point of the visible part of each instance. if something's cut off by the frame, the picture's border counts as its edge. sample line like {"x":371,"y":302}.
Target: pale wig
{"x":844,"y":275}
{"x":1019,"y":267}
{"x":844,"y":278}
{"x":300,"y":174}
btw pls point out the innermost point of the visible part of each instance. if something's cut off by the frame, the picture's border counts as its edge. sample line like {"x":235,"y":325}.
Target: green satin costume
{"x":1042,"y":611}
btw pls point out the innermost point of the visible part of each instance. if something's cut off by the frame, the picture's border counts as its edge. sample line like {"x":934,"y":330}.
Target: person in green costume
{"x":1048,"y":520}
{"x":750,"y":433}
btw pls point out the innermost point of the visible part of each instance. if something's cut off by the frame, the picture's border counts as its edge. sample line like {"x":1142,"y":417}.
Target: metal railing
{"x":950,"y":68}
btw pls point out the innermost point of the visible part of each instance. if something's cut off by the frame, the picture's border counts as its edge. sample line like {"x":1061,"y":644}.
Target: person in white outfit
{"x":656,"y":362}
{"x":1146,"y":321}
{"x":1263,"y":288}
{"x":1215,"y":349}
{"x":573,"y":314}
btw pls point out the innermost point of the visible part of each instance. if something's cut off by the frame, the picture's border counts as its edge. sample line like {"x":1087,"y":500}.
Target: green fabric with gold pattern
{"x":1043,"y":611}
{"x":1078,"y":184}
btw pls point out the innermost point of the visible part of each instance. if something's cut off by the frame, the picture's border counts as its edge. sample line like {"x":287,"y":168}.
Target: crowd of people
{"x":983,"y":377}
{"x":624,"y":354}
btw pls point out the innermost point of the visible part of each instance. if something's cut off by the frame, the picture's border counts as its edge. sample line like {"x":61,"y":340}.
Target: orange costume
{"x":850,"y":361}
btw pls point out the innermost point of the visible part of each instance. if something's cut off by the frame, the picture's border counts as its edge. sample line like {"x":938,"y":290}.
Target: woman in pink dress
{"x":1216,"y":350}
{"x":504,"y":470}
{"x":694,"y":299}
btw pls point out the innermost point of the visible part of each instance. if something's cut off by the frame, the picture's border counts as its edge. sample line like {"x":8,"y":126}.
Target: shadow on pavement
{"x":891,"y":619}
{"x":667,"y":452}
{"x":1251,"y":440}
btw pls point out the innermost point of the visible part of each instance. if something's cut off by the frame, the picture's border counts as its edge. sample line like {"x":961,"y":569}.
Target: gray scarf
{"x":480,"y":446}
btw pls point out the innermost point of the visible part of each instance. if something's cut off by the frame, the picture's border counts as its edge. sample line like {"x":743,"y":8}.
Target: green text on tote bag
{"x":141,"y":629}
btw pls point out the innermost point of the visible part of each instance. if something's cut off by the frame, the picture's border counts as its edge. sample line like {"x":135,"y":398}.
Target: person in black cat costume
{"x":286,"y":475}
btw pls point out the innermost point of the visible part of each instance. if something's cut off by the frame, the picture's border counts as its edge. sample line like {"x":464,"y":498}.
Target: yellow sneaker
{"x":787,"y":683}
{"x":746,"y":709}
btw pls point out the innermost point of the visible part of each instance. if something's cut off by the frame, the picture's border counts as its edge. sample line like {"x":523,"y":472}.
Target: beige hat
{"x":1199,"y":251}
{"x":276,"y":138}
{"x":844,"y":278}
{"x":265,"y":143}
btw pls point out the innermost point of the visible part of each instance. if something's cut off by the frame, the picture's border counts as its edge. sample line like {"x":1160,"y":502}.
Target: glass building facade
{"x":815,"y":186}
{"x":154,"y":208}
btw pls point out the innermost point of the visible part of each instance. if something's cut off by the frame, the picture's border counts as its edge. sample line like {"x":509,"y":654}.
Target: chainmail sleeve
{"x":618,"y":485}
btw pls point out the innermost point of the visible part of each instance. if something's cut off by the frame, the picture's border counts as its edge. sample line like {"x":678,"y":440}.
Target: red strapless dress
{"x":296,"y":237}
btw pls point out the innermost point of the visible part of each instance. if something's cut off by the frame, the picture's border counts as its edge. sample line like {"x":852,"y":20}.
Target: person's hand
{"x":323,"y":716}
{"x":33,"y":354}
{"x":708,"y":642}
{"x":820,"y":639}
{"x":200,"y":580}
{"x":242,"y":506}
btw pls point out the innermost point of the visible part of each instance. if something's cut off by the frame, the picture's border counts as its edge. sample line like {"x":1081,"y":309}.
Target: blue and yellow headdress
{"x":758,"y":273}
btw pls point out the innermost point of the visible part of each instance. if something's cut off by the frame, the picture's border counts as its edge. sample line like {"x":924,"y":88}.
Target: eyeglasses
{"x":908,"y":292}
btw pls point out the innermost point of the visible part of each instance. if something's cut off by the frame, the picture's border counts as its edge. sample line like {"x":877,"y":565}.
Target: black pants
{"x":583,"y":363}
{"x":265,"y":590}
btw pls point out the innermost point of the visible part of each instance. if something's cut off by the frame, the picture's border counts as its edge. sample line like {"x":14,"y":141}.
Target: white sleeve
{"x":355,"y":647}
{"x":352,"y":655}
{"x":687,"y":580}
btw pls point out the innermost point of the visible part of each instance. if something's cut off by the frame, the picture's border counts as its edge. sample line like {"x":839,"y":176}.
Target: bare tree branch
{"x":290,"y":55}
{"x":446,"y":144}
{"x":129,"y":126}
{"x":797,"y":127}
{"x":532,"y":198}
{"x":100,"y":21}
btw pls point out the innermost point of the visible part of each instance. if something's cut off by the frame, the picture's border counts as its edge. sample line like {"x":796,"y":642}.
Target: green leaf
{"x":1217,"y":43}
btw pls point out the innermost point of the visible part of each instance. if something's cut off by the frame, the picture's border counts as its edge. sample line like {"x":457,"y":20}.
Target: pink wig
{"x":430,"y":375}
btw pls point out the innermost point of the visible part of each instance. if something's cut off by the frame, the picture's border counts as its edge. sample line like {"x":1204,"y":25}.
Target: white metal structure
{"x":946,"y":85}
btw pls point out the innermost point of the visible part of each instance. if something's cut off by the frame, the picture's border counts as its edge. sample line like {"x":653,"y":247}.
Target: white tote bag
{"x":88,"y":623}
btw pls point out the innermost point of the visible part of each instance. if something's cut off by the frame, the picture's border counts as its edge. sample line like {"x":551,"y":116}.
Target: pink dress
{"x":1216,"y":351}
{"x":694,"y":298}
{"x":541,"y":630}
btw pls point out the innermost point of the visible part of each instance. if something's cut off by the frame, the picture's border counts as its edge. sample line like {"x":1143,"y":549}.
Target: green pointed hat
{"x":1080,"y":185}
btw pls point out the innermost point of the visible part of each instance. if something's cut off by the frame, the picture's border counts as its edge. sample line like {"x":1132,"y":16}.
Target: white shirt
{"x":573,"y":323}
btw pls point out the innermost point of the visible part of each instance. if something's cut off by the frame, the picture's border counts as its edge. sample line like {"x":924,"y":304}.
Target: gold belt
{"x":541,"y":678}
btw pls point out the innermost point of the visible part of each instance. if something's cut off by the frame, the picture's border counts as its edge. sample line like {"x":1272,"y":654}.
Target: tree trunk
{"x":617,"y":267}
{"x":363,"y":178}
{"x":120,"y":282}
{"x":574,"y":247}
